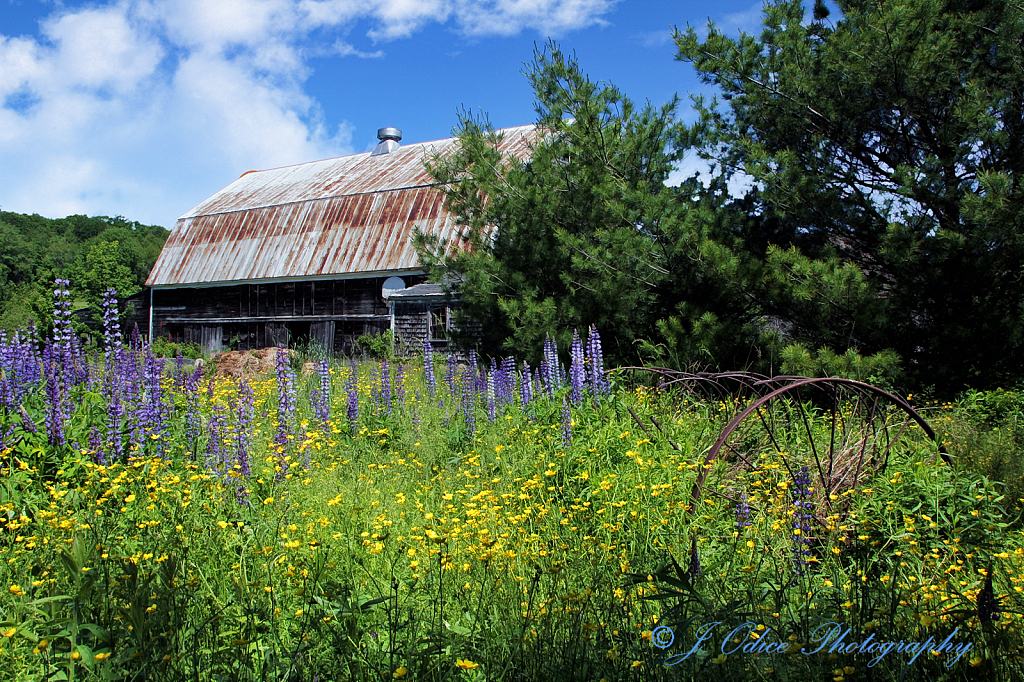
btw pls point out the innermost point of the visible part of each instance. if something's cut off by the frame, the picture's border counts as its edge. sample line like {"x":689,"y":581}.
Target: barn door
{"x":277,"y":334}
{"x":213,"y":338}
{"x":323,"y":334}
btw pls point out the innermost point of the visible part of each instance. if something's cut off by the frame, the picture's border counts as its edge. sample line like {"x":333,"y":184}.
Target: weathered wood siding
{"x":411,"y":324}
{"x":246,"y":316}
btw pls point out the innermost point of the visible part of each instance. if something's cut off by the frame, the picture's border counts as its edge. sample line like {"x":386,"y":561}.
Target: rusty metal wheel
{"x":842,"y":430}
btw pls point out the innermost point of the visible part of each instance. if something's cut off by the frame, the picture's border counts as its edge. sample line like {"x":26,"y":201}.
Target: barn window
{"x":440,"y":323}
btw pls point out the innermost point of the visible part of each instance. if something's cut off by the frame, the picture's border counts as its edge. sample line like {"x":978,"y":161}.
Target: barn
{"x":319,"y":251}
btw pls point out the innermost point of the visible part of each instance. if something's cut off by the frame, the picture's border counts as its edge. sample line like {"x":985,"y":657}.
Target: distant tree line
{"x":863,"y":214}
{"x":92,"y":252}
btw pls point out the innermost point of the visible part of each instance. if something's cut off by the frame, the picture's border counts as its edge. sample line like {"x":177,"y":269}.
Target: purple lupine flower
{"x":180,"y":374}
{"x":26,"y":420}
{"x":506,"y":388}
{"x":154,"y":410}
{"x":63,"y":334}
{"x":987,"y":604}
{"x":54,"y":396}
{"x":96,"y":445}
{"x":320,"y":396}
{"x":375,"y":386}
{"x":450,"y":374}
{"x":549,"y":369}
{"x":544,"y":374}
{"x":428,"y":368}
{"x":6,"y":371}
{"x":598,"y":381}
{"x":112,"y":375}
{"x":79,"y":365}
{"x":30,"y":365}
{"x":385,"y":384}
{"x":285,"y":407}
{"x":111,"y":327}
{"x":243,"y":426}
{"x":474,"y":375}
{"x":802,"y":506}
{"x":193,"y":421}
{"x":399,"y":383}
{"x":114,"y":442}
{"x":8,"y":377}
{"x":216,"y":454}
{"x":566,"y":424}
{"x":469,"y":400}
{"x":5,"y":435}
{"x":72,"y":358}
{"x":577,"y":371}
{"x":526,"y":386}
{"x":132,"y":385}
{"x":93,"y":373}
{"x":491,"y":406}
{"x":352,"y":388}
{"x":58,"y":366}
{"x":694,"y":570}
{"x":742,"y":513}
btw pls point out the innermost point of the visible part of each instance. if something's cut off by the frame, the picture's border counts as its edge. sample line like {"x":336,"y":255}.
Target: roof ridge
{"x":401,"y":147}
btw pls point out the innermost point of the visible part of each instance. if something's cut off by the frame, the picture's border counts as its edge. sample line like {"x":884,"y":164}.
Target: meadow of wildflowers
{"x":422,"y":518}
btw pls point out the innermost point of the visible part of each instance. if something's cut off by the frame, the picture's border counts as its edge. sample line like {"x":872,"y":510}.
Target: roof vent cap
{"x":389,"y":138}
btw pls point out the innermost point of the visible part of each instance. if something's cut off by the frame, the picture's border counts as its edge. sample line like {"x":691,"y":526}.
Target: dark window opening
{"x":440,"y":323}
{"x":298,"y":333}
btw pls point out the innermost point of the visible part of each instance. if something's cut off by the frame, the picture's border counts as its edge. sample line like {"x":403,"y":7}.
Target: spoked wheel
{"x":843,"y":431}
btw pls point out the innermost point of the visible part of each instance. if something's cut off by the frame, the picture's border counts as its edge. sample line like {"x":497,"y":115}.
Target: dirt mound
{"x":237,"y":364}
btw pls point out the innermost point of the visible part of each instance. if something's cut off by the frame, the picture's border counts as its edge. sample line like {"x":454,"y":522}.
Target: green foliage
{"x":878,"y":234}
{"x":378,"y":346}
{"x":107,"y":265}
{"x":93,"y":252}
{"x":585,"y":231}
{"x":886,"y":148}
{"x":989,"y":438}
{"x":573,"y":225}
{"x":402,"y":552}
{"x":162,"y":348}
{"x":877,"y":369}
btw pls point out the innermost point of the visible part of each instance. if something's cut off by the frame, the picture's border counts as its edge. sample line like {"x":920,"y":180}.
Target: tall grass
{"x":453,"y":532}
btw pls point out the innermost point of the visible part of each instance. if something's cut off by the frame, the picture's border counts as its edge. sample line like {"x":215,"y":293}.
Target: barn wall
{"x":411,"y":324}
{"x":249,"y":316}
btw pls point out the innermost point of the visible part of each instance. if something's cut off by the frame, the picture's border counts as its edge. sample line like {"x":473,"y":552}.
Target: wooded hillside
{"x":92,"y":252}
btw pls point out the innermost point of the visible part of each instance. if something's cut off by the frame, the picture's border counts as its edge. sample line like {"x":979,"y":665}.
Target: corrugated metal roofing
{"x":426,"y":290}
{"x":344,"y":216}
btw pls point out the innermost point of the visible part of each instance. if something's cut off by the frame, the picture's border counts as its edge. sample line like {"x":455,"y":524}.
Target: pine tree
{"x":571,"y":236}
{"x":886,"y":152}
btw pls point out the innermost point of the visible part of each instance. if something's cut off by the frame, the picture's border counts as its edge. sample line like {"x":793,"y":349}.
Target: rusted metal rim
{"x":704,"y":384}
{"x":792,"y":385}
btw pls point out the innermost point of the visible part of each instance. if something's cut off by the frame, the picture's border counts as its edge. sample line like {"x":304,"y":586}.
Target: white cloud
{"x":343,"y":49}
{"x":100,"y":49}
{"x":692,"y":165}
{"x":144,"y":107}
{"x":400,"y":18}
{"x":508,"y":17}
{"x":655,"y":38}
{"x":748,"y":21}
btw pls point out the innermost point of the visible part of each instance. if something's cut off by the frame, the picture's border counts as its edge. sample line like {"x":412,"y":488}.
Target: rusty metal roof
{"x":350,"y":216}
{"x":419,"y":292}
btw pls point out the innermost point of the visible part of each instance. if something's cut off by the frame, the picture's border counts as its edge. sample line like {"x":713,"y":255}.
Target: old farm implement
{"x":844,"y":431}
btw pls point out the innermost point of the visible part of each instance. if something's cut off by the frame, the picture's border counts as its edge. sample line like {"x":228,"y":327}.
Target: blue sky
{"x":143,"y":108}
